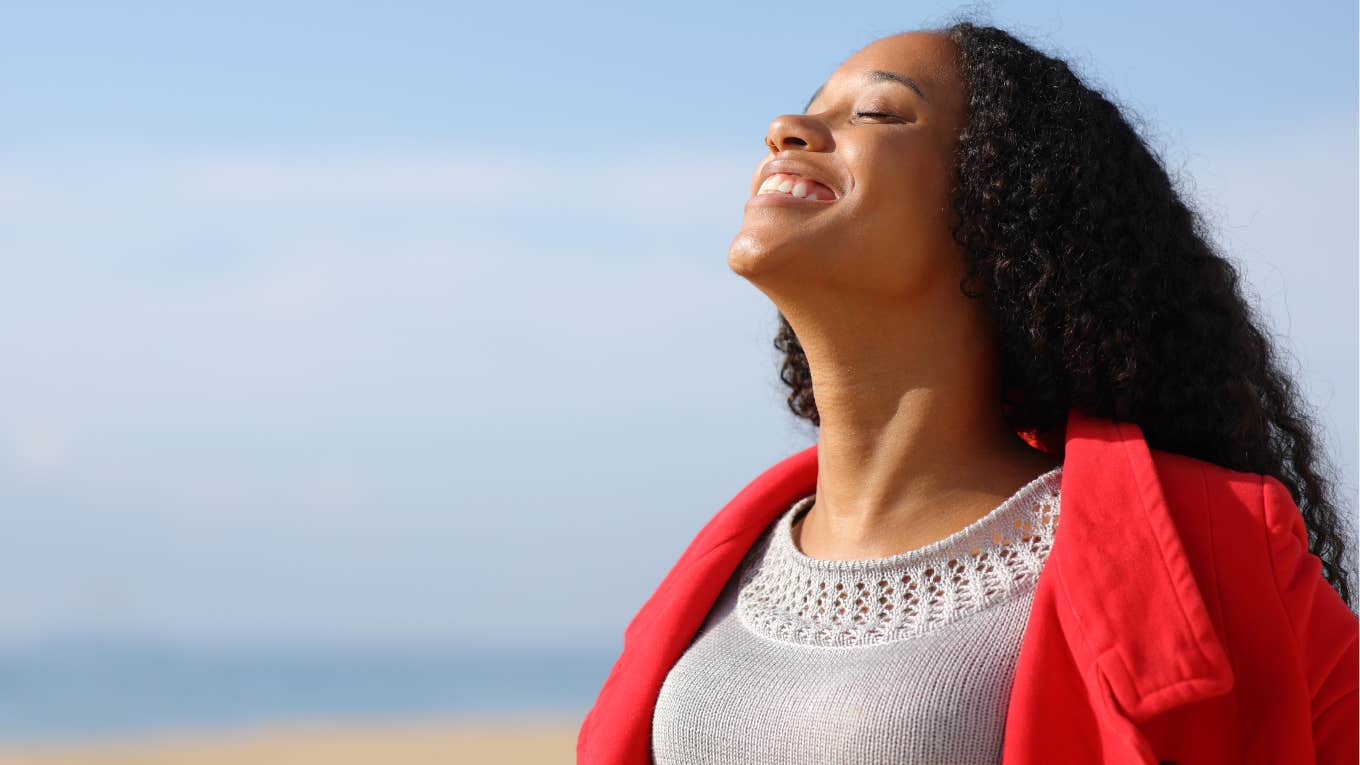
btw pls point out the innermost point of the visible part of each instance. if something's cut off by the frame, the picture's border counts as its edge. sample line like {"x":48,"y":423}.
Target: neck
{"x":913,"y":444}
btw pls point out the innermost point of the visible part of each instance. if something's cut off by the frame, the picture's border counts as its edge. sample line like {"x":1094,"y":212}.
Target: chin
{"x":752,"y":254}
{"x":749,"y":257}
{"x":745,"y":257}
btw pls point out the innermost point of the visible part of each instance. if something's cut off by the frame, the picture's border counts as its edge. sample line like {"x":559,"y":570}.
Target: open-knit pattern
{"x":789,"y":596}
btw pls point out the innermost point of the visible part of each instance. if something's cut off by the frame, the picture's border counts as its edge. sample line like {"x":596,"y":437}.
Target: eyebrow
{"x":878,"y":75}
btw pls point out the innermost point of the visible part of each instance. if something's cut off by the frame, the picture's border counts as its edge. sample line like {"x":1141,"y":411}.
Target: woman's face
{"x":886,"y":151}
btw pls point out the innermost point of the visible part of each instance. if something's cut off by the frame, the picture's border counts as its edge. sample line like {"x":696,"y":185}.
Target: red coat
{"x":1179,"y":617}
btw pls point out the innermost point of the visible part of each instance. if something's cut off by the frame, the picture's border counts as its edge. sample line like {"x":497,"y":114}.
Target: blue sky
{"x":351,"y":325}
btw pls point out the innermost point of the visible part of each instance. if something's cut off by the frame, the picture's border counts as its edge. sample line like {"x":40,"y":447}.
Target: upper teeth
{"x":789,"y":183}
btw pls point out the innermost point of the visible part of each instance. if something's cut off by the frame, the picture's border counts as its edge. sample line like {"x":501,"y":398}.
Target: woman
{"x":1063,"y":507}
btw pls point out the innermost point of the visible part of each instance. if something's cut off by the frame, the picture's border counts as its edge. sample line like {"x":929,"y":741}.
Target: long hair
{"x":1104,"y":287}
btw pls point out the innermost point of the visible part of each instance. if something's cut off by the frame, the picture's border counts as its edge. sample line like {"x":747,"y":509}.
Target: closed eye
{"x":874,"y":114}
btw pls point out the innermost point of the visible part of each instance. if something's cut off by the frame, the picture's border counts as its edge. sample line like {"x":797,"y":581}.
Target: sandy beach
{"x":507,"y":742}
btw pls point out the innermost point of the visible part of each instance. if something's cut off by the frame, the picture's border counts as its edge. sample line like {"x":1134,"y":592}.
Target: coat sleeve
{"x":1326,"y":630}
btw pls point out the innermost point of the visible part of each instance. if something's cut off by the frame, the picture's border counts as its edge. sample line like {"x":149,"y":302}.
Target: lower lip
{"x":786,"y":199}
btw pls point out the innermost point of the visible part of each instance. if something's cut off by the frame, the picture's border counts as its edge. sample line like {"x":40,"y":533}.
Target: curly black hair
{"x":1105,"y":290}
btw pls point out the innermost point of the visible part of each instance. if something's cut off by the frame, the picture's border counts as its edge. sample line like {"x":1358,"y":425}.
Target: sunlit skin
{"x":912,"y":445}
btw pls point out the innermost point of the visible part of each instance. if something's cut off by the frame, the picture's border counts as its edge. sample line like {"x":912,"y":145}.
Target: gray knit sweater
{"x":903,"y":660}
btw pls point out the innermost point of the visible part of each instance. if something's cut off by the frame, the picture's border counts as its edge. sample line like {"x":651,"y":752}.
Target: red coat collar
{"x":1129,"y":603}
{"x":1124,"y":592}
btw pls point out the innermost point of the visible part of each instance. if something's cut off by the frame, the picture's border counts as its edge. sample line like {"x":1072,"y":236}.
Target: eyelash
{"x":874,"y":114}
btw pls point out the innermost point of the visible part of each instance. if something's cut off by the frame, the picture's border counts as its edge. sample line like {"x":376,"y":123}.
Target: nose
{"x":789,"y":131}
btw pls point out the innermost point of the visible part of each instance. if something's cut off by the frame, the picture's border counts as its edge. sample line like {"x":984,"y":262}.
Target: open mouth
{"x":794,"y":185}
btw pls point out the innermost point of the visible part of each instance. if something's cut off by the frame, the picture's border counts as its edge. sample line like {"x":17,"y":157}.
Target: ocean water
{"x":91,"y":689}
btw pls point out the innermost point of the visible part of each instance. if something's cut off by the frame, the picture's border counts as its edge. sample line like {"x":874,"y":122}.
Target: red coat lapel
{"x":1118,"y":631}
{"x":1130,"y":592}
{"x":1116,"y":611}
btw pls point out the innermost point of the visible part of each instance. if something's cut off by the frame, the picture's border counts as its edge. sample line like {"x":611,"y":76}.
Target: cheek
{"x":910,"y":199}
{"x":904,"y":224}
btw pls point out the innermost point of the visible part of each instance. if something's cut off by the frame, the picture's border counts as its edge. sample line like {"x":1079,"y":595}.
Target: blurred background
{"x":369,"y":366}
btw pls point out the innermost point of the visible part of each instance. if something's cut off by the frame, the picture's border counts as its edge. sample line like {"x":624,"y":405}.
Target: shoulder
{"x":1258,"y":500}
{"x":1242,"y":531}
{"x":1229,"y":521}
{"x":1186,"y":477}
{"x":1233,"y":497}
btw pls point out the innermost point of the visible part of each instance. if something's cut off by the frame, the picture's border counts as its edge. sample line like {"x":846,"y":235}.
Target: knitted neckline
{"x":790,"y":596}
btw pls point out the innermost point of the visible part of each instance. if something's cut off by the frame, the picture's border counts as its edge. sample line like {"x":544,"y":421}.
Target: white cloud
{"x":665,"y":189}
{"x":236,"y":344}
{"x":39,"y":446}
